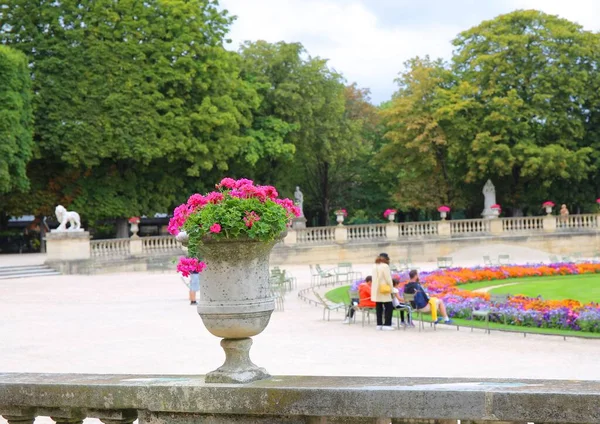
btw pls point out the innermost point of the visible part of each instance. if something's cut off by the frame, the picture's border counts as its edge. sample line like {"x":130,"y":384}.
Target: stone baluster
{"x":17,"y":415}
{"x":116,"y":417}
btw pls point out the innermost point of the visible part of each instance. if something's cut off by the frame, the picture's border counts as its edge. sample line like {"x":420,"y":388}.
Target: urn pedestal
{"x":236,"y":303}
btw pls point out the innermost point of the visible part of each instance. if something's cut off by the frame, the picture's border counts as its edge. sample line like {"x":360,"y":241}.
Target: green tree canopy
{"x":16,"y":120}
{"x":126,"y":92}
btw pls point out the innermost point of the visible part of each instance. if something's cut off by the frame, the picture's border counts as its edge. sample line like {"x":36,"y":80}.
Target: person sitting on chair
{"x":399,"y":303}
{"x":355,"y":301}
{"x":424,"y":303}
{"x":364,"y":294}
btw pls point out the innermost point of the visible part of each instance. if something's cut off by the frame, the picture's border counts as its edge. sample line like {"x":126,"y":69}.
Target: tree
{"x":16,"y":120}
{"x":126,"y":92}
{"x":418,"y":155}
{"x":523,"y":104}
{"x":305,"y":136}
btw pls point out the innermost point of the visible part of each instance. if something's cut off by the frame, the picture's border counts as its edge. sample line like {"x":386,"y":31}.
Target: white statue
{"x":299,"y":200}
{"x":64,"y":217}
{"x":489,"y":193}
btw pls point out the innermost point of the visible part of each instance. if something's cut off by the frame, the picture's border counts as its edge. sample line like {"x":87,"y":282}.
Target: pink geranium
{"x":188,"y":265}
{"x":134,"y":220}
{"x":443,"y":209}
{"x":496,"y":206}
{"x":548,"y":204}
{"x":251,"y":218}
{"x":215,"y":228}
{"x":226,"y":183}
{"x":341,"y":212}
{"x":196,"y":201}
{"x":180,"y":214}
{"x":597,"y":200}
{"x":215,"y":197}
{"x":388,"y":212}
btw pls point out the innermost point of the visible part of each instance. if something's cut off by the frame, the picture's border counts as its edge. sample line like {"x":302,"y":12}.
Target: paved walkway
{"x":142,"y":323}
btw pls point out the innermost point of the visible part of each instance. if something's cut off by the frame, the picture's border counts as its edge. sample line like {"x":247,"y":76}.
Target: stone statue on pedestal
{"x":489,"y":193}
{"x":67,"y":217}
{"x":299,"y":222}
{"x":299,"y":200}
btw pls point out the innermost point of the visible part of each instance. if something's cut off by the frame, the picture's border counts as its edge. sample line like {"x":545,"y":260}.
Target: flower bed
{"x":518,"y":310}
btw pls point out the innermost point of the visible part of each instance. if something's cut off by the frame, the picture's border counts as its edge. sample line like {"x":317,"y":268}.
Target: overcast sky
{"x":369,"y":40}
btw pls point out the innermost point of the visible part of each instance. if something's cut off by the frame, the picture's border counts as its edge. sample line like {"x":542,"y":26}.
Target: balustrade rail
{"x":366,"y":232}
{"x":469,"y":226}
{"x":577,"y":221}
{"x":523,"y":224}
{"x":160,"y":244}
{"x":316,"y":235}
{"x":121,"y":399}
{"x":109,"y":248}
{"x":418,"y":229}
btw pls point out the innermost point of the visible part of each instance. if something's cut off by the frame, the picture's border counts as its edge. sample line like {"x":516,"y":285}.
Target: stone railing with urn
{"x":181,"y":399}
{"x":421,"y":241}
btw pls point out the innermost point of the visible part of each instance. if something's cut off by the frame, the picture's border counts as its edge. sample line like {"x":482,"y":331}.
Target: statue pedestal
{"x":67,"y":245}
{"x":299,"y":223}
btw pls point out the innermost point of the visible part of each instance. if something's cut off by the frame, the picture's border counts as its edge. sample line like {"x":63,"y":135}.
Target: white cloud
{"x":357,"y":44}
{"x":346,"y":33}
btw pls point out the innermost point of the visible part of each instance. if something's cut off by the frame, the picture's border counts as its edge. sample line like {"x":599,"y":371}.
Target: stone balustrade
{"x":163,"y":399}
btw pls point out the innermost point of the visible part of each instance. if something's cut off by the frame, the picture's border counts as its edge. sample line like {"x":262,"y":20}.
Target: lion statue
{"x":64,"y":217}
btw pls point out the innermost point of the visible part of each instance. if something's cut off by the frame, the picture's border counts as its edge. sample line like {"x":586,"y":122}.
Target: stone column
{"x":495,"y":226}
{"x":444,"y":229}
{"x":291,"y":238}
{"x":341,"y":234}
{"x":135,"y":246}
{"x":549,"y":223}
{"x":67,"y":245}
{"x":391,"y":231}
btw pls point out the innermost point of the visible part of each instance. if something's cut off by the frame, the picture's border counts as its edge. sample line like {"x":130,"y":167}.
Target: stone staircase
{"x":26,"y":271}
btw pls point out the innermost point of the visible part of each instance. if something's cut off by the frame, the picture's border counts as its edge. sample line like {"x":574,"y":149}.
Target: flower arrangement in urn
{"x":496,"y":208}
{"x":133,"y":224}
{"x":443,"y":210}
{"x":390,"y":214}
{"x":340,"y":214}
{"x":598,"y":203}
{"x":233,"y":229}
{"x":548,"y":205}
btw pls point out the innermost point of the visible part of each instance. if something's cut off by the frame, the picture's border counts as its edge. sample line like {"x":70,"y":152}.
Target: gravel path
{"x":487,"y":289}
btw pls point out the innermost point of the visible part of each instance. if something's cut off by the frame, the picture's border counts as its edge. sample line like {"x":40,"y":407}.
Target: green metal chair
{"x":486,"y":313}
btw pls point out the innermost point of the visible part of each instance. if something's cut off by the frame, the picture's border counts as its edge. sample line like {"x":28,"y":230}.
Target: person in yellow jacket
{"x":381,"y":292}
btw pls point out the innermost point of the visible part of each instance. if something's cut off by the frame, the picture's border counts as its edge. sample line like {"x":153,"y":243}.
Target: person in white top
{"x":381,"y":292}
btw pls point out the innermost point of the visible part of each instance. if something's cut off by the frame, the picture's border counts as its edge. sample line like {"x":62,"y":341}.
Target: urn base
{"x":238,"y":368}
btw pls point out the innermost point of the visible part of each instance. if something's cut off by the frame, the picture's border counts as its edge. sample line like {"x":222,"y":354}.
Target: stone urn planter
{"x":548,"y":210}
{"x":339,"y":217}
{"x":443,"y":215}
{"x":134,"y":228}
{"x":392,"y":217}
{"x":236,"y":303}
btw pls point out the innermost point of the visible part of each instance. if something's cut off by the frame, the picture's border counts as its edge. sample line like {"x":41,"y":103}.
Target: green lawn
{"x":584,"y":287}
{"x":340,"y":294}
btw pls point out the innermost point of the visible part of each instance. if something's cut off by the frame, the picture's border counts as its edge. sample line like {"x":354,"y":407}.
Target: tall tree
{"x":523,"y":105}
{"x":16,"y":120}
{"x":127,"y":91}
{"x":305,"y":136}
{"x":418,"y":155}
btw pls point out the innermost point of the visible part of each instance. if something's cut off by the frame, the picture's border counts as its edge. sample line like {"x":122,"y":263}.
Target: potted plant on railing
{"x":497,"y":209}
{"x":443,"y":210}
{"x":390,"y":214}
{"x":234,"y":230}
{"x":598,"y":203}
{"x":548,"y":205}
{"x":133,"y":226}
{"x":340,"y":214}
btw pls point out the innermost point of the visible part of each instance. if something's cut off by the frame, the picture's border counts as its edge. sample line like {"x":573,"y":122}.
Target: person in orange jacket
{"x":364,"y":293}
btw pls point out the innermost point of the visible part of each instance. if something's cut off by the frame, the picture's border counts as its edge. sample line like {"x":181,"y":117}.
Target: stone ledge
{"x":547,"y":401}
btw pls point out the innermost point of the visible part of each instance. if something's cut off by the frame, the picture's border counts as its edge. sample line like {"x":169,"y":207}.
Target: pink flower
{"x":214,"y":197}
{"x":215,"y":228}
{"x":188,"y":265}
{"x":196,"y":201}
{"x":242,"y":182}
{"x":388,"y":212}
{"x":227,"y":183}
{"x":341,"y":212}
{"x":180,"y":214}
{"x":443,"y":209}
{"x":548,"y":204}
{"x":270,"y":191}
{"x":251,"y":218}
